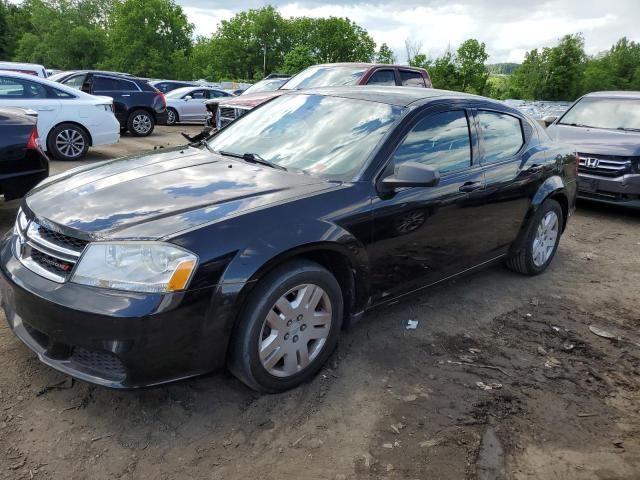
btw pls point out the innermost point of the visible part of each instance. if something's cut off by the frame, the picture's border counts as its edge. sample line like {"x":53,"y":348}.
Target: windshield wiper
{"x":576,"y":125}
{"x":628,"y":129}
{"x":253,"y":158}
{"x":206,"y":145}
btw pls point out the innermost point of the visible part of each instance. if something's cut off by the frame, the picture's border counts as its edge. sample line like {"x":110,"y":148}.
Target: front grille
{"x":46,"y":252}
{"x":62,"y":240}
{"x":606,"y":165}
{"x":50,"y":263}
{"x":227,"y":115}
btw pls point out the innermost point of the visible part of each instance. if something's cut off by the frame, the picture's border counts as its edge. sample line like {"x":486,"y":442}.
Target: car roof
{"x":398,"y":96}
{"x":365,"y":65}
{"x":615,"y":94}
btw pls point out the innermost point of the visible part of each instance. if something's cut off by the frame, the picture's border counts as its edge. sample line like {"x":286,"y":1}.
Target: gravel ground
{"x":556,"y":400}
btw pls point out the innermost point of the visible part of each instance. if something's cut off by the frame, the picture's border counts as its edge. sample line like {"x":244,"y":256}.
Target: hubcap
{"x":171,"y":116}
{"x":70,"y":143}
{"x":545,"y":239}
{"x":141,"y":123}
{"x":295,"y":330}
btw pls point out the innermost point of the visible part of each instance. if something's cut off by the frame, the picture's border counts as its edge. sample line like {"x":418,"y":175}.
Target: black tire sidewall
{"x":133,"y":115}
{"x":547,"y":206}
{"x":175,"y":116}
{"x":260,"y":302}
{"x":51,"y":142}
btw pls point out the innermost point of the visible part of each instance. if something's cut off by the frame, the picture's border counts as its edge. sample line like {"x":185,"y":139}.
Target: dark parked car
{"x":138,"y":106}
{"x":22,"y":162}
{"x":328,"y":75}
{"x":605,"y":128}
{"x":258,"y":247}
{"x":166,"y":86}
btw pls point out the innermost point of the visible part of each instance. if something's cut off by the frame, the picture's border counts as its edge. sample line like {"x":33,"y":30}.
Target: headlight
{"x":135,"y":266}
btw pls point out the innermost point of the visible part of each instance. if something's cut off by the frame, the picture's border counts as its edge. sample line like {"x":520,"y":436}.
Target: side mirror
{"x":187,"y":98}
{"x":412,"y":174}
{"x":549,"y":119}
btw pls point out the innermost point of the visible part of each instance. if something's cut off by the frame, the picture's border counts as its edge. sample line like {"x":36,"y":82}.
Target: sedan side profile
{"x":69,"y":121}
{"x":255,"y":249}
{"x":187,"y":104}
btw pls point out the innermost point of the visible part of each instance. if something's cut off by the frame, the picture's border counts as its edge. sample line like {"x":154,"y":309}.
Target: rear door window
{"x":501,"y":135}
{"x":18,"y":88}
{"x":383,"y":77}
{"x":75,"y":82}
{"x":110,"y":84}
{"x":411,"y":79}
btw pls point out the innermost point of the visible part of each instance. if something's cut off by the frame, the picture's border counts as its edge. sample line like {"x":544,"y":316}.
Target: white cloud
{"x":508,"y":27}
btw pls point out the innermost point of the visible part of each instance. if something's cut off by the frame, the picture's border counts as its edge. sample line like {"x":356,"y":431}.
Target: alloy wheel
{"x":142,"y":124}
{"x":70,"y":143}
{"x":295,"y":330}
{"x":171,"y":117}
{"x":545,"y":240}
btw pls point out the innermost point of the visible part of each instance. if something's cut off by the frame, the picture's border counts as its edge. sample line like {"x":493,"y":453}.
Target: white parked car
{"x":28,"y":68}
{"x":69,"y":121}
{"x":187,"y":104}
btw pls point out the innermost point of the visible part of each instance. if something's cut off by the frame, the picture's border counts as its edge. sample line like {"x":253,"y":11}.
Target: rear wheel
{"x":172,"y":116}
{"x":140,"y":123}
{"x":288,"y":328}
{"x":540,"y":242}
{"x":68,"y":141}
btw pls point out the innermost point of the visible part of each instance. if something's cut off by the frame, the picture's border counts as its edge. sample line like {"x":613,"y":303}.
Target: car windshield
{"x":613,"y":113}
{"x":265,"y":86}
{"x":324,"y":136}
{"x":325,"y":76}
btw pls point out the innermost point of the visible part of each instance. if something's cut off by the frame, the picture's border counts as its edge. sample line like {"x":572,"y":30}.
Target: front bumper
{"x":623,"y":190}
{"x":114,"y":339}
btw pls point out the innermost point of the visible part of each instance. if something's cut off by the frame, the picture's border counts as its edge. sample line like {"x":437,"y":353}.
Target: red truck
{"x":225,"y":110}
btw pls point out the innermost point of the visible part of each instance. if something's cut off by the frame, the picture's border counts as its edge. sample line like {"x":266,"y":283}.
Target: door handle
{"x":470,"y":186}
{"x":125,"y":95}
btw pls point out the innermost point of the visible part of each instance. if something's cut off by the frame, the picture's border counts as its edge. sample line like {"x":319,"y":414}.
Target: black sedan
{"x":22,"y":162}
{"x":257,"y":248}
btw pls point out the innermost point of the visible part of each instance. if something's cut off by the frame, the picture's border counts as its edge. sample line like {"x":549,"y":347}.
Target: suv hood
{"x":251,"y":100}
{"x":597,"y":140}
{"x":156,"y":195}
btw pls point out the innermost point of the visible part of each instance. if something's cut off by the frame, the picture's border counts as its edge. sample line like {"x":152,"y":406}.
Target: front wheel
{"x":288,"y":328}
{"x":540,"y":242}
{"x":140,"y":123}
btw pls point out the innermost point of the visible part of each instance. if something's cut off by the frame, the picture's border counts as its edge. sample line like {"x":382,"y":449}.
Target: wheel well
{"x":84,"y":129}
{"x":146,"y":109}
{"x":561,"y":198}
{"x":337,"y":263}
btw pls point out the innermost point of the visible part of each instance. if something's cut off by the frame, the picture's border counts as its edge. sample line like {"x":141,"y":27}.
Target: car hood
{"x":251,"y":100}
{"x":597,"y":140}
{"x":157,"y":195}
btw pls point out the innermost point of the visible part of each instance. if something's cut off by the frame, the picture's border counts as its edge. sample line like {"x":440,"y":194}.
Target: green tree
{"x":472,"y":71}
{"x":298,"y":59}
{"x":385,"y":55}
{"x":14,"y":23}
{"x":63,"y":33}
{"x":148,"y":38}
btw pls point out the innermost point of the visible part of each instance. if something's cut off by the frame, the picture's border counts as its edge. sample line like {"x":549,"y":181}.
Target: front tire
{"x":540,"y":242}
{"x":140,"y":123}
{"x":68,"y":142}
{"x":288,"y":328}
{"x":172,"y":116}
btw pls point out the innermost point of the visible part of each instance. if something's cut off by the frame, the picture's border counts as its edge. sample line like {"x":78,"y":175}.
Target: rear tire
{"x":288,"y":328}
{"x":140,"y":123}
{"x":172,"y":116}
{"x":541,"y":240}
{"x":68,"y":142}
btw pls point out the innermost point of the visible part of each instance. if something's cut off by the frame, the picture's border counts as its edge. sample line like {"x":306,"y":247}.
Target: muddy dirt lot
{"x":555,"y":400}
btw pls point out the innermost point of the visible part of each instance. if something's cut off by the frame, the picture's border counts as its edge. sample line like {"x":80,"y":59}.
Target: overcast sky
{"x":508,"y":27}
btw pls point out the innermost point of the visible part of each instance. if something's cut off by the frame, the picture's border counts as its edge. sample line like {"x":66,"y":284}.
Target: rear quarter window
{"x":411,"y":79}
